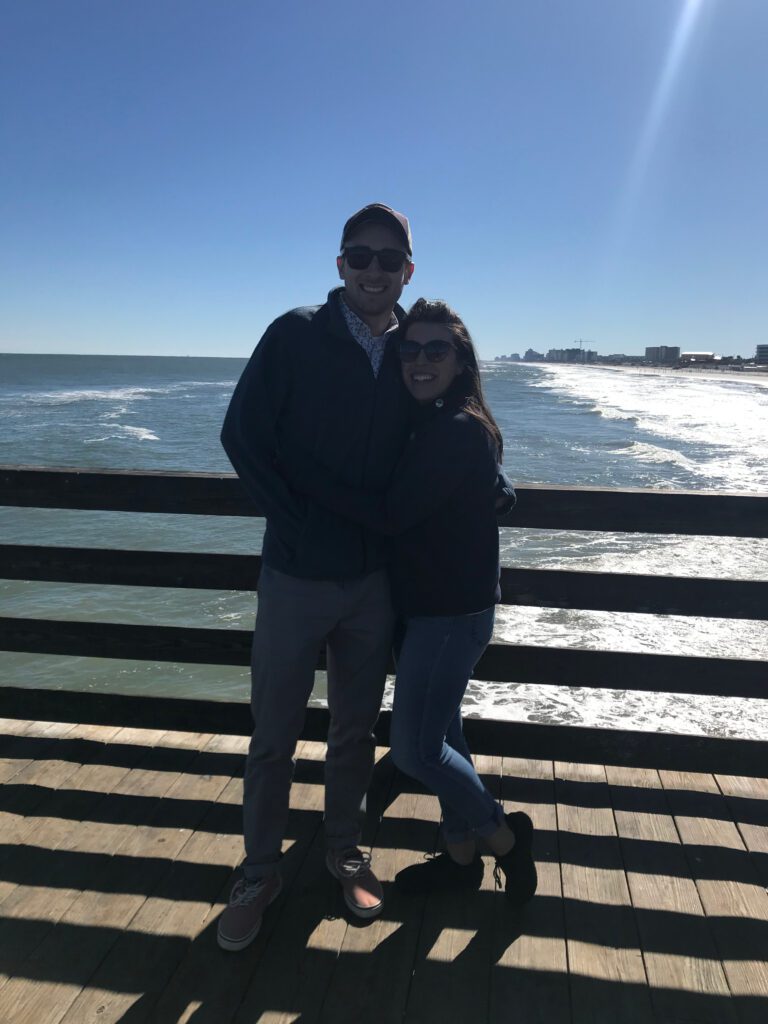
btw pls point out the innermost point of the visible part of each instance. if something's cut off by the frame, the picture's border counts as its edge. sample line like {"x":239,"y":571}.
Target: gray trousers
{"x":295,"y":618}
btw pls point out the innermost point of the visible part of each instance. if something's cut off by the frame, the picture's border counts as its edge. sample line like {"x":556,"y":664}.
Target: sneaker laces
{"x":353,"y":863}
{"x":244,"y":892}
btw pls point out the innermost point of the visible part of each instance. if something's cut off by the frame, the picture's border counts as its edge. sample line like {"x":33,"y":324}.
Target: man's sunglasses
{"x":360,"y":257}
{"x":435,"y":350}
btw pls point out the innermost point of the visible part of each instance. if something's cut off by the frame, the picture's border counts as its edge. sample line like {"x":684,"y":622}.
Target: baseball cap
{"x":383,"y":215}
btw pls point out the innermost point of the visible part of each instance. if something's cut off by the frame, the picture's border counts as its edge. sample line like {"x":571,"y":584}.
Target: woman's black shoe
{"x":518,"y":865}
{"x":440,"y":874}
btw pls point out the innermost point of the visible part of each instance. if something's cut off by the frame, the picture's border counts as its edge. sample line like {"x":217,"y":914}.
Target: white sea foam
{"x":140,"y":433}
{"x":724,"y":422}
{"x":123,"y":432}
{"x":613,"y":414}
{"x":120,"y":394}
{"x":610,"y":709}
{"x":657,"y":454}
{"x":95,"y":395}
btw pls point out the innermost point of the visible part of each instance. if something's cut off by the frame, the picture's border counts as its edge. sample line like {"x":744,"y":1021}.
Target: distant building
{"x":533,"y":357}
{"x":665,"y":354}
{"x":761,"y":355}
{"x":619,"y":357}
{"x":571,"y":355}
{"x":697,"y":357}
{"x":514,"y":357}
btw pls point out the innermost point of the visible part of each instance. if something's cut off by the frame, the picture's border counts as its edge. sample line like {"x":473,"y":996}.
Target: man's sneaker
{"x":440,"y":874}
{"x":239,"y":924}
{"x":362,"y":889}
{"x":518,"y":866}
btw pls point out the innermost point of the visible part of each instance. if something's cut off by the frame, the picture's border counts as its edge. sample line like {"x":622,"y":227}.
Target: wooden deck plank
{"x":734,"y":900}
{"x":153,"y":941}
{"x":32,"y":805}
{"x":450,"y":980}
{"x":747,"y":801}
{"x":374,"y":965}
{"x":25,"y":727}
{"x":411,"y":827}
{"x":50,"y":968}
{"x":212,"y":981}
{"x":603,"y":947}
{"x":59,"y":784}
{"x":296,"y":969}
{"x":664,"y":916}
{"x":17,"y":736}
{"x":20,"y":747}
{"x":13,"y":727}
{"x":529,"y":975}
{"x":679,"y":952}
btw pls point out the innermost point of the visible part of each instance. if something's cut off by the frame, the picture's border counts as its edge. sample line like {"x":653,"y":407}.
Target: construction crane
{"x":581,"y":342}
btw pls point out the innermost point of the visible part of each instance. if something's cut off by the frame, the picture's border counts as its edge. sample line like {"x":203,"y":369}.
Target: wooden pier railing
{"x":675,"y":512}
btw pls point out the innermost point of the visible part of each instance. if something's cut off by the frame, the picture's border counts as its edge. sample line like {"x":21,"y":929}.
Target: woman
{"x":441,"y":511}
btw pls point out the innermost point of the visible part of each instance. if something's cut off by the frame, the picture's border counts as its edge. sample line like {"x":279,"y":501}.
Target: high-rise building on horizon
{"x":665,"y":354}
{"x":571,"y":355}
{"x":761,"y":355}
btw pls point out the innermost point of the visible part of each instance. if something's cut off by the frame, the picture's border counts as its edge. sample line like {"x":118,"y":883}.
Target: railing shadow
{"x":313,"y":963}
{"x":744,"y":809}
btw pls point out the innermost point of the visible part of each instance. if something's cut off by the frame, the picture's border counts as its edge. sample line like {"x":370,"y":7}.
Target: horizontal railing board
{"x":548,"y":588}
{"x":114,"y":490}
{"x":539,"y":506}
{"x":633,"y":592}
{"x":581,"y":744}
{"x":626,"y":510}
{"x":175,"y":569}
{"x":500,"y":663}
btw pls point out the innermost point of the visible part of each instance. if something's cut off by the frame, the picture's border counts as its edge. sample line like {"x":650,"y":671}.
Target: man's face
{"x":373,"y":292}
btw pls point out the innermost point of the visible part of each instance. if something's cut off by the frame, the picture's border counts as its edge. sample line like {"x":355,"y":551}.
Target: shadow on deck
{"x":118,"y":846}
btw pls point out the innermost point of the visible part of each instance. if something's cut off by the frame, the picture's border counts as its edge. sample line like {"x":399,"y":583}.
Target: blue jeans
{"x":436,"y":660}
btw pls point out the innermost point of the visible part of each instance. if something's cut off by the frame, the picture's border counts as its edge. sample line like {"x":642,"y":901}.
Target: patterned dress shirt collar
{"x":373,"y":345}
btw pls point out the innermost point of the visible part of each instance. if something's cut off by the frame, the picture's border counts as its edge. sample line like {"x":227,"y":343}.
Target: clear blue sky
{"x":175,"y":173}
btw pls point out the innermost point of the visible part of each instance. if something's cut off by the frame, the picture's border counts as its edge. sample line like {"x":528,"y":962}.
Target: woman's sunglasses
{"x":435,"y":350}
{"x":360,"y":257}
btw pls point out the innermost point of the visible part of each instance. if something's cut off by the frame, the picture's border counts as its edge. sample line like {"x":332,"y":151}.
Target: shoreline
{"x":745,"y":376}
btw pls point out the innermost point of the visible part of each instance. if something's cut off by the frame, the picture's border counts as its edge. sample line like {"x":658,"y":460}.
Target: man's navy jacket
{"x":310,"y":383}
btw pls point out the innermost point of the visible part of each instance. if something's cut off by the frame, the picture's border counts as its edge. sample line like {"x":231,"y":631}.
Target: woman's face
{"x":427,"y":380}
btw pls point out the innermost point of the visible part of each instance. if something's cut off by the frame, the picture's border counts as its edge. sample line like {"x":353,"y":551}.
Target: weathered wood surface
{"x":669,"y":915}
{"x":541,"y":506}
{"x":548,"y":588}
{"x":118,"y":850}
{"x":729,"y":886}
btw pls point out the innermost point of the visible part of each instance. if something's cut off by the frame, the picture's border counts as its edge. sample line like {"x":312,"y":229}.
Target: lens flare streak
{"x":657,"y":111}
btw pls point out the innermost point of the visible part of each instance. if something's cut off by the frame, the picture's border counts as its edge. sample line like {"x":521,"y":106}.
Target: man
{"x":327,"y":378}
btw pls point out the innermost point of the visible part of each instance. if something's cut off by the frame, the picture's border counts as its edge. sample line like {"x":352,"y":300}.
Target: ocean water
{"x":561,"y":424}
